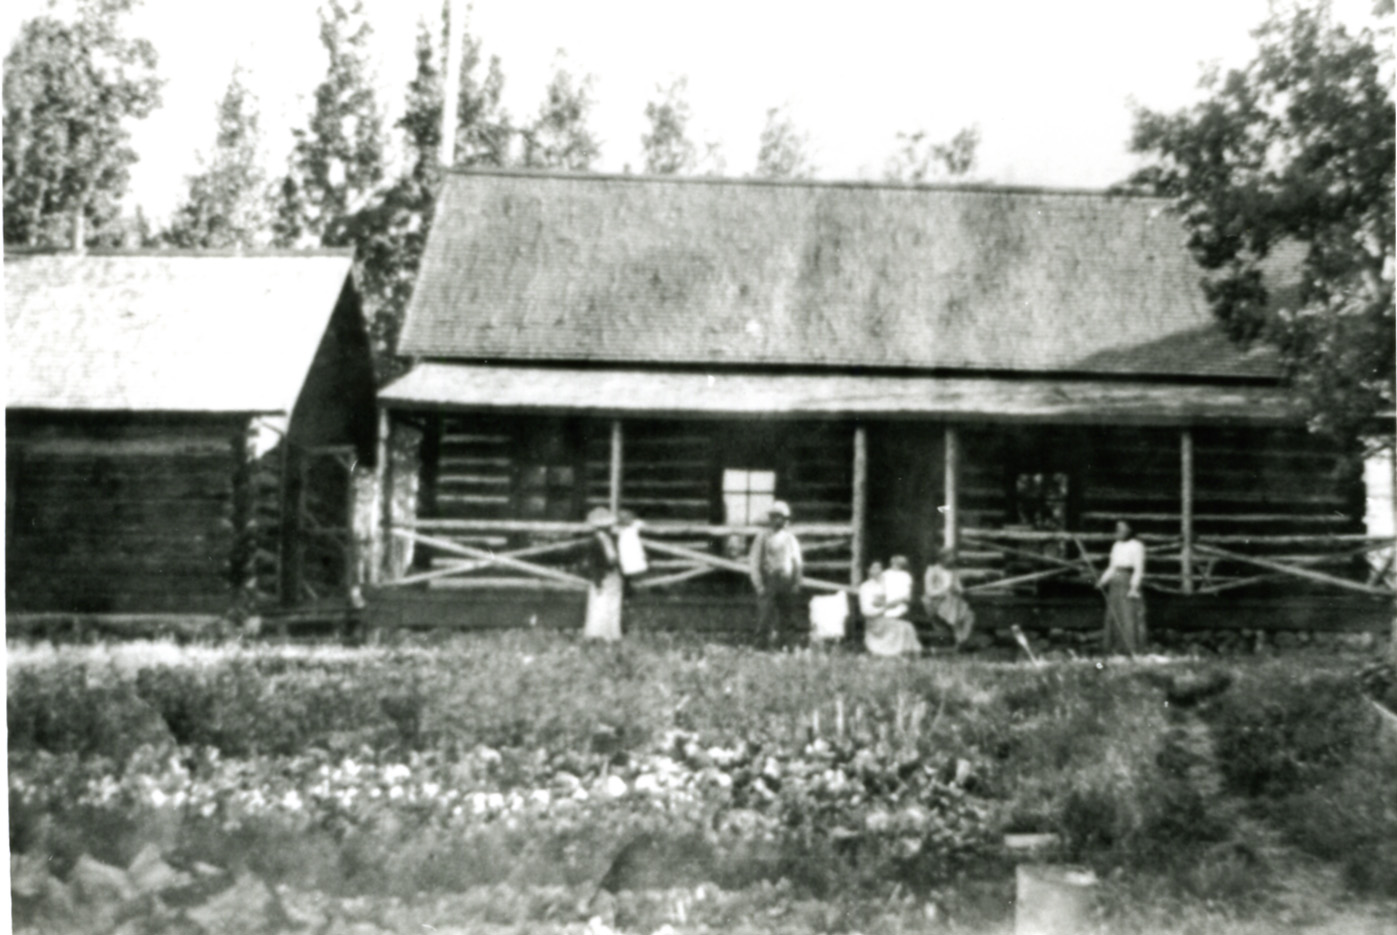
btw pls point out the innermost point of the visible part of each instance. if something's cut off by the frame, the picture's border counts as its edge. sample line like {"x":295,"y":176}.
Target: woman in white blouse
{"x":1125,"y":606}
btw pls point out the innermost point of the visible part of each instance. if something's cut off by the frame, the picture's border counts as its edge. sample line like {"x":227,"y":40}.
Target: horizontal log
{"x":1298,"y":518}
{"x":472,"y":499}
{"x":493,"y":584}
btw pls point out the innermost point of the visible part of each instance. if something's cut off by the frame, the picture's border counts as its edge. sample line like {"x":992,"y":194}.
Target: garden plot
{"x":525,"y":780}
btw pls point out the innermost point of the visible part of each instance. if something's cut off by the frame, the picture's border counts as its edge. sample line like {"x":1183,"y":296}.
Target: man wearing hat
{"x":776,"y":572}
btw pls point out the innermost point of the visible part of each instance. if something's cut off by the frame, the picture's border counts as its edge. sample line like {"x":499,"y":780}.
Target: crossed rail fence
{"x":488,"y":554}
{"x":469,"y":554}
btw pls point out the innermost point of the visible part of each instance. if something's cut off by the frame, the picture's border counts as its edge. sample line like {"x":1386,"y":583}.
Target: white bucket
{"x":1053,"y":899}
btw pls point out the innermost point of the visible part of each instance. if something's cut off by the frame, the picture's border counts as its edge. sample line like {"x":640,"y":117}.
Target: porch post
{"x":1186,"y":509}
{"x":383,"y":482}
{"x":951,"y":538}
{"x":858,"y":547}
{"x":615,"y":488}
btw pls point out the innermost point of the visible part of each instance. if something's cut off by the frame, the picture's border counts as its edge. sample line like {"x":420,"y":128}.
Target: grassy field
{"x":523,"y":781}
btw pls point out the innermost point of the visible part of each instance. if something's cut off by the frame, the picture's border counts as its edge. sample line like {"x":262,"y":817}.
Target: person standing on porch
{"x":605,"y":592}
{"x":1125,"y":604}
{"x":777,"y":568}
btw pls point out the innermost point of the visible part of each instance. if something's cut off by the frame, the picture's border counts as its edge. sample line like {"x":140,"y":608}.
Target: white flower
{"x":395,"y":791}
{"x":541,"y":796}
{"x":291,"y":801}
{"x":430,"y":790}
{"x":396,"y":773}
{"x":157,"y":797}
{"x":614,"y":786}
{"x":647,"y":783}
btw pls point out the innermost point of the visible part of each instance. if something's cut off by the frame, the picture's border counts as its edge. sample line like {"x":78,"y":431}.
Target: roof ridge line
{"x":980,"y":188}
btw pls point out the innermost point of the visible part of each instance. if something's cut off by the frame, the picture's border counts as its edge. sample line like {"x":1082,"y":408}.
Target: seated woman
{"x":944,"y":598}
{"x":885,"y":632}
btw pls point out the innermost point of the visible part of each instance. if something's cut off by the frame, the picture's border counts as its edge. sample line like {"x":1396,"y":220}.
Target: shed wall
{"x":123,"y":513}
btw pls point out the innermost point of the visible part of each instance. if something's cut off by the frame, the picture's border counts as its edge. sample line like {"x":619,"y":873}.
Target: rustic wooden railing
{"x":537,"y":555}
{"x":1002,"y":560}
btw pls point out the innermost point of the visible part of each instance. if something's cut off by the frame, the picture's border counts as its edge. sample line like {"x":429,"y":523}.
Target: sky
{"x":1049,"y":84}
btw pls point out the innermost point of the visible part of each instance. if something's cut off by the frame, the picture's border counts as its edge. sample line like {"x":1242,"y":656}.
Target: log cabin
{"x":1001,"y":371}
{"x":176,"y":423}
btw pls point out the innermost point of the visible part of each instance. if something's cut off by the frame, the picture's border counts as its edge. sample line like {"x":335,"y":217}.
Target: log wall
{"x":124,"y":514}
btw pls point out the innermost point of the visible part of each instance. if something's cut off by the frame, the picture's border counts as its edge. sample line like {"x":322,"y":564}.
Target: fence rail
{"x":490,"y":554}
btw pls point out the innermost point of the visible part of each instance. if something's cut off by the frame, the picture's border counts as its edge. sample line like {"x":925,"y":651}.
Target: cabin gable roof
{"x":172,"y":332}
{"x":655,"y":271}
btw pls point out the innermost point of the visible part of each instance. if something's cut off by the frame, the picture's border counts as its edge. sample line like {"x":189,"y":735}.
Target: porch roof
{"x":669,"y":393}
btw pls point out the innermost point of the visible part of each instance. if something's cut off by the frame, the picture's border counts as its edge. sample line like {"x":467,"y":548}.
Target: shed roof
{"x":618,"y":392}
{"x":536,"y":267}
{"x":166,"y":332}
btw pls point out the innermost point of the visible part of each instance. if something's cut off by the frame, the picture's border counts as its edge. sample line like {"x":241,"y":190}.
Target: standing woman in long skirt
{"x":1125,"y":603}
{"x":605,"y":591}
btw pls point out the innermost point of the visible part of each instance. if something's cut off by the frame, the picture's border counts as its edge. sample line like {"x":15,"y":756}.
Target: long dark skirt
{"x":1125,"y":617}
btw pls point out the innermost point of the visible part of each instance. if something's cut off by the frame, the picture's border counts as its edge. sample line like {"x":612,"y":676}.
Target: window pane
{"x":560,"y":476}
{"x":735,"y":509}
{"x":757,"y":506}
{"x":762,"y":482}
{"x":533,"y":475}
{"x":734,"y":481}
{"x":534,"y":506}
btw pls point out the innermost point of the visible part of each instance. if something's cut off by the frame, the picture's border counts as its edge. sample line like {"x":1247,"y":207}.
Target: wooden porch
{"x":1227,"y":536}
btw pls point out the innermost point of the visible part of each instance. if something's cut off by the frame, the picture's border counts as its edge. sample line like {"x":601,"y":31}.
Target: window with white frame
{"x":747,"y":496}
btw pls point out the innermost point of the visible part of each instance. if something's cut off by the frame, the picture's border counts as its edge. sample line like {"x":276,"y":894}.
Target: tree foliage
{"x":391,"y":233}
{"x":919,"y":159}
{"x":337,"y":160}
{"x":668,"y":148}
{"x":558,"y":137}
{"x":1286,"y":163}
{"x":226,"y":204}
{"x":783,"y":151}
{"x":70,"y":88}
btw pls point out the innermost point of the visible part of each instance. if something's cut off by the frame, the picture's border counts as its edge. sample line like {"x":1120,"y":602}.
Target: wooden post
{"x":951,"y":537}
{"x":615,"y":487}
{"x":858,"y":547}
{"x":293,"y":498}
{"x":383,"y":529}
{"x":1186,"y":509}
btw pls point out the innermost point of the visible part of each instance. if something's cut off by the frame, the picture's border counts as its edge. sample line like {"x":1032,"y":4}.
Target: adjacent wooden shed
{"x":1006,"y":371}
{"x":163,"y":412}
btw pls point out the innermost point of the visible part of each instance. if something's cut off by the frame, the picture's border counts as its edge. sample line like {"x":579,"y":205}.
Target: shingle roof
{"x":166,"y":332}
{"x":654,"y":270}
{"x":654,"y":392}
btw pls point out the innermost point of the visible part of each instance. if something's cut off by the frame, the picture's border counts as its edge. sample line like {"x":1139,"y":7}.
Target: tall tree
{"x":919,"y":159}
{"x":70,"y":88}
{"x":668,"y":149}
{"x":558,"y":137}
{"x":1294,"y":150}
{"x":337,"y":160}
{"x":392,"y":231}
{"x":783,"y":151}
{"x":226,"y":205}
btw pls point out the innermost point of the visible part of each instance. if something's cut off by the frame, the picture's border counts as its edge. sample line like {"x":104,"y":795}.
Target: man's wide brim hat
{"x":779,"y":508}
{"x":600,"y":517}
